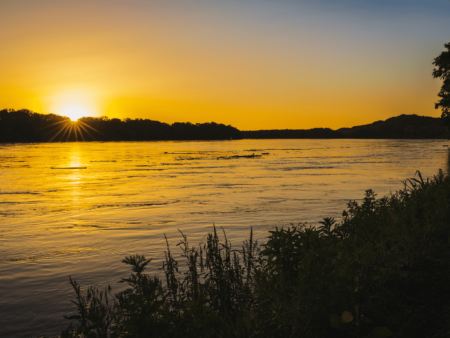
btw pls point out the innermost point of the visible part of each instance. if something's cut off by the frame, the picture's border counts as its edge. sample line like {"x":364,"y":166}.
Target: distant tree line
{"x":292,"y":133}
{"x":400,"y":127}
{"x":27,"y":126}
{"x":146,"y":130}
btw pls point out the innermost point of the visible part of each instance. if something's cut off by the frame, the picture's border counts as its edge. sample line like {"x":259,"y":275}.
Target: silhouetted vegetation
{"x":400,"y":127}
{"x":292,"y":133}
{"x":383,"y":269}
{"x":27,"y":126}
{"x":442,"y":62}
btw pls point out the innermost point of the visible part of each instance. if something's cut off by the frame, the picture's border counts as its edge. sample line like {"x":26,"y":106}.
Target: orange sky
{"x":254,"y":64}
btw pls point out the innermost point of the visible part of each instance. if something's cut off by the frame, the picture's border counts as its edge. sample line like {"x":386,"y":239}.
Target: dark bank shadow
{"x":448,"y":162}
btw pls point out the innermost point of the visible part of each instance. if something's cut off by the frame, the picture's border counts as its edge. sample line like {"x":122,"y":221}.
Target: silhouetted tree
{"x":316,"y":133}
{"x":442,"y":62}
{"x":27,"y":126}
{"x":399,"y":127}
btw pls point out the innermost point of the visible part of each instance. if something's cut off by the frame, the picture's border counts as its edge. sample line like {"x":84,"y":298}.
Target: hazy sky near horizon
{"x":254,"y":64}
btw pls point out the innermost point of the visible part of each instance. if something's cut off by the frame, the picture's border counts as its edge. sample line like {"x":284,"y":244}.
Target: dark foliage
{"x":442,"y":71}
{"x":399,"y":127}
{"x":27,"y":126}
{"x":292,"y":134}
{"x":382,"y":271}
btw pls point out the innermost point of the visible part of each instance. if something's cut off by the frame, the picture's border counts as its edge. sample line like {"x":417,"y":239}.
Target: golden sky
{"x":255,"y":64}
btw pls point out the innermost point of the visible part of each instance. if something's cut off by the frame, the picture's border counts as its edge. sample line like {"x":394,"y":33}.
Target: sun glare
{"x":74,"y":113}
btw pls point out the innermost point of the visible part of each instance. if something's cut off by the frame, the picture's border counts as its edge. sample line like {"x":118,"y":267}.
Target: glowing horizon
{"x":74,"y":113}
{"x":257,"y":65}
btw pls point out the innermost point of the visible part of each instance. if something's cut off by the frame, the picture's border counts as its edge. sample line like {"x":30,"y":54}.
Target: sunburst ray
{"x":60,"y":124}
{"x":67,"y":130}
{"x":87,"y":131}
{"x":86,"y":125}
{"x":79,"y":131}
{"x":62,"y":128}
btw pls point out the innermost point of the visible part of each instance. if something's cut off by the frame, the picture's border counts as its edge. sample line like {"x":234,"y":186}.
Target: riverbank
{"x":383,"y":270}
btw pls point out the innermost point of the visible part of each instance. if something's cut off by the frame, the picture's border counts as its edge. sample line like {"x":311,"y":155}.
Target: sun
{"x":74,"y":112}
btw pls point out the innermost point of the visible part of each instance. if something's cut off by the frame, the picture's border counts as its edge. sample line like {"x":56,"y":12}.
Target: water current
{"x":79,"y":208}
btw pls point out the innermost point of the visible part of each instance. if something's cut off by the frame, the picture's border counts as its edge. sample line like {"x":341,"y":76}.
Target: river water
{"x":124,"y":196}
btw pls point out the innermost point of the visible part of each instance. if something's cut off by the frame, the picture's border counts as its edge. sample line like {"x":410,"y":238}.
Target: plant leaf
{"x":346,"y":317}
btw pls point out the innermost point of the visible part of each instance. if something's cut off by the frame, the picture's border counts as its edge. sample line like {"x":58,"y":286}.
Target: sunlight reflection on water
{"x":82,"y":222}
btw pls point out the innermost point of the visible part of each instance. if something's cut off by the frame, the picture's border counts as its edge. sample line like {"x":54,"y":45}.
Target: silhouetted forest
{"x":292,"y":133}
{"x":400,"y":127}
{"x":27,"y":126}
